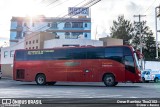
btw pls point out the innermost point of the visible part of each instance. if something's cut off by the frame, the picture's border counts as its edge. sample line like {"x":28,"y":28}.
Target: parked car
{"x":150,"y":75}
{"x":0,"y":74}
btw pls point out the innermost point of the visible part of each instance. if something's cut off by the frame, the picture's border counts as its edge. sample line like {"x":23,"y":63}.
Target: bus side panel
{"x":75,"y":70}
{"x":56,"y":70}
{"x":92,"y":70}
{"x":114,"y":67}
{"x":26,"y":70}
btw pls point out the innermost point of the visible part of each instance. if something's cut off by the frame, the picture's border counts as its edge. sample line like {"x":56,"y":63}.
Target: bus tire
{"x":109,"y":80}
{"x":41,"y":79}
{"x":156,"y":80}
{"x":50,"y":83}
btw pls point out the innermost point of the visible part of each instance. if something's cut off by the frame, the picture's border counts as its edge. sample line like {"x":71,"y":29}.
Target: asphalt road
{"x":17,"y":89}
{"x":75,"y":94}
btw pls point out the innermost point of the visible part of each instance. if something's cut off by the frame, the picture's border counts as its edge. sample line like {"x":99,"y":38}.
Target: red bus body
{"x":75,"y":70}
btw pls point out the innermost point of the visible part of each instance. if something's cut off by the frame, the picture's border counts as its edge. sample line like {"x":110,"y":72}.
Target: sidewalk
{"x":7,"y":78}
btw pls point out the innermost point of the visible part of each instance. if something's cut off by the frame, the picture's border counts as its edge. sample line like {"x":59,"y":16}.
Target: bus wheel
{"x":50,"y":83}
{"x":109,"y":80}
{"x":156,"y":80}
{"x":41,"y":79}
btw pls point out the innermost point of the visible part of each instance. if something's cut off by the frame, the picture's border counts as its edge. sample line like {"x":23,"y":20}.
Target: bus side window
{"x":114,"y":53}
{"x":129,"y":63}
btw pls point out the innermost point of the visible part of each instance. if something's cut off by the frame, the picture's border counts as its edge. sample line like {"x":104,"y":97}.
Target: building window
{"x":74,"y":35}
{"x":54,"y":33}
{"x":19,"y":35}
{"x":33,"y":41}
{"x":54,"y":25}
{"x":29,"y":47}
{"x":32,"y":47}
{"x":29,"y":42}
{"x":67,"y":25}
{"x":49,"y":25}
{"x":19,"y":24}
{"x":12,"y":53}
{"x":77,"y":24}
{"x":25,"y":24}
{"x":36,"y":41}
{"x":67,"y":33}
{"x":85,"y":35}
{"x":85,"y":25}
{"x":5,"y":54}
{"x":26,"y":43}
{"x":24,"y":33}
{"x":32,"y":24}
{"x":36,"y":47}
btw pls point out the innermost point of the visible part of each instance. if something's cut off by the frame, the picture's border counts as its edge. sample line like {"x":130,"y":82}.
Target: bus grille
{"x":20,"y":73}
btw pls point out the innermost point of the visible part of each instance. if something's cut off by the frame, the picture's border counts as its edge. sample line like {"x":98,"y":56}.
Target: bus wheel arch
{"x":40,"y":79}
{"x":109,"y":79}
{"x":156,"y":80}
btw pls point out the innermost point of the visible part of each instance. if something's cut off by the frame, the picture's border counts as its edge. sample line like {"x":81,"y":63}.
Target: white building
{"x":7,"y":54}
{"x":64,"y":28}
{"x":70,"y":42}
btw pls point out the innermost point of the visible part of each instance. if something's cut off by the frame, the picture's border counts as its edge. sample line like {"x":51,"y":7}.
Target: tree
{"x":122,"y":29}
{"x":148,"y":41}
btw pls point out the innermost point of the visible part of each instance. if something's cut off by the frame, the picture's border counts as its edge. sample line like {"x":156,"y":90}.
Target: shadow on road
{"x":82,"y":85}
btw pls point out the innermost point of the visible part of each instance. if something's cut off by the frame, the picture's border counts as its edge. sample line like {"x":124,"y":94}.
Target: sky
{"x":102,"y":14}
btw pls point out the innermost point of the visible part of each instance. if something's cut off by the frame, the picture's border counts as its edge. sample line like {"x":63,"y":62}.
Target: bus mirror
{"x":139,"y":55}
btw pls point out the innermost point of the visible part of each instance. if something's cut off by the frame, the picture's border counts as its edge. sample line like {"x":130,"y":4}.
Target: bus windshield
{"x":136,"y":59}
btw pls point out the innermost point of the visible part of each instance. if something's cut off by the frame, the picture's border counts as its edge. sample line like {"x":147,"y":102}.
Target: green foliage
{"x":122,"y":29}
{"x":148,"y":42}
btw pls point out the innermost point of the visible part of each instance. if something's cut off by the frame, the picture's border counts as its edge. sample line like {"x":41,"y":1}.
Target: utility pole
{"x":140,"y":34}
{"x":156,"y":16}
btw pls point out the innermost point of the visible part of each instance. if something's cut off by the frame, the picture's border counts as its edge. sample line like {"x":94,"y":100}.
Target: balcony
{"x":64,"y":28}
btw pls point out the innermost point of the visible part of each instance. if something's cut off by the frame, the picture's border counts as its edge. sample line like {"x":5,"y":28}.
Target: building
{"x":63,"y":28}
{"x":36,"y":40}
{"x":7,"y":54}
{"x":107,"y":41}
{"x":70,"y":42}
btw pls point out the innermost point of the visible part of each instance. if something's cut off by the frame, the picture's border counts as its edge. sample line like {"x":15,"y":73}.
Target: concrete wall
{"x":154,"y":65}
{"x":7,"y":70}
{"x":71,"y":42}
{"x":107,"y":41}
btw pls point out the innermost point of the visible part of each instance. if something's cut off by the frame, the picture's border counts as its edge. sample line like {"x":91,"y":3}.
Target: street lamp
{"x":157,"y":15}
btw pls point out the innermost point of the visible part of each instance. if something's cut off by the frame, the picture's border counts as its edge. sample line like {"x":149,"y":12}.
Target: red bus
{"x":110,"y":65}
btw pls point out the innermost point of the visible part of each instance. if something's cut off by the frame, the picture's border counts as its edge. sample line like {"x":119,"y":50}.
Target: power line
{"x":43,"y":26}
{"x":91,"y":1}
